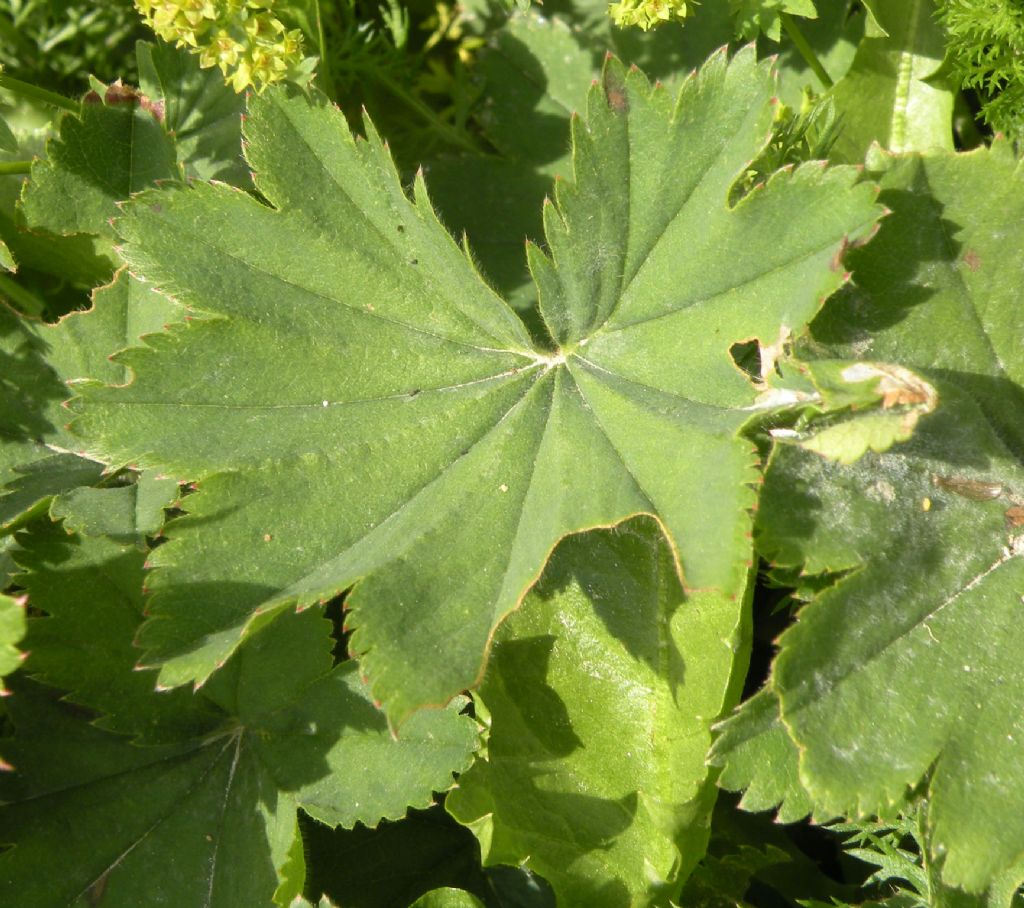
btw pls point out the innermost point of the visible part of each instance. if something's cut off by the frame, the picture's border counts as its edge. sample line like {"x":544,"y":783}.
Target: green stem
{"x":24,"y":300}
{"x":436,"y":123}
{"x":14,"y":167}
{"x":324,"y":70}
{"x":35,"y":93}
{"x":805,"y":49}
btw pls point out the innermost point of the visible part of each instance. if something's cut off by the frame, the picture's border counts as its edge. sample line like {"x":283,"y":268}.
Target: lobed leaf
{"x":361,"y":408}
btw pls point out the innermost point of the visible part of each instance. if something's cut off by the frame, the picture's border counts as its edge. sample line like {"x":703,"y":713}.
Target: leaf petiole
{"x":24,"y":300}
{"x":805,"y":49}
{"x":35,"y":93}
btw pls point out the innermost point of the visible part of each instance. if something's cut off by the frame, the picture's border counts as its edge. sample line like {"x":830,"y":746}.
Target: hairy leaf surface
{"x":362,"y":408}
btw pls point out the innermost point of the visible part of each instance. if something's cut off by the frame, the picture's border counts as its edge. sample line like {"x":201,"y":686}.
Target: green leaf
{"x":399,"y":387}
{"x":202,"y":113}
{"x":447,"y":898}
{"x":919,"y":682}
{"x":12,"y":629}
{"x":35,"y":483}
{"x":756,"y":754}
{"x":116,"y":148}
{"x":29,"y":394}
{"x":601,"y":692}
{"x":535,"y":76}
{"x":7,"y":262}
{"x":297,"y":733}
{"x":892,"y":94}
{"x":833,"y":37}
{"x":81,"y":344}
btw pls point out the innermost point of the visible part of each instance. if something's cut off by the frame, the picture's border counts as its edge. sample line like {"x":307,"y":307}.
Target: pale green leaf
{"x":358,"y":385}
{"x":600,"y":694}
{"x":906,"y":672}
{"x":889,"y":95}
{"x":7,"y":262}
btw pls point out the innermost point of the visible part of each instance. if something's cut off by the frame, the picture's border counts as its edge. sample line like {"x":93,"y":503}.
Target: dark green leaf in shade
{"x":91,"y":591}
{"x":600,"y":695}
{"x":754,"y":17}
{"x":201,"y":113}
{"x":359,"y":385}
{"x":30,"y":393}
{"x":535,"y":76}
{"x":920,"y":676}
{"x":211,"y":819}
{"x":37,"y":360}
{"x":892,"y":94}
{"x":33,"y":485}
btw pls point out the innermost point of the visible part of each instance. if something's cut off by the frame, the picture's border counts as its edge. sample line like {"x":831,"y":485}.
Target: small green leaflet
{"x":599,"y":698}
{"x":360,"y":408}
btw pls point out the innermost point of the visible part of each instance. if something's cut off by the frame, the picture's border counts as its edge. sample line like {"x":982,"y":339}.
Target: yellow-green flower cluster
{"x":242,"y":37}
{"x":648,"y":13}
